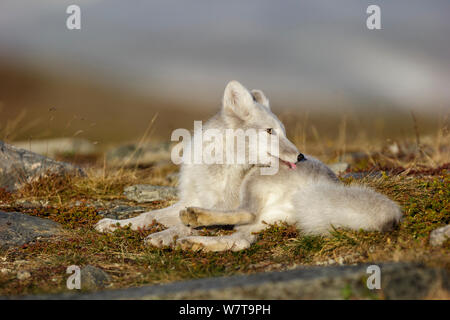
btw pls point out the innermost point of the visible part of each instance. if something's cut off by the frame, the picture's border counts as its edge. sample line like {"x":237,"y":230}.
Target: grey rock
{"x":89,"y":203}
{"x":17,"y":228}
{"x":93,"y":278}
{"x":133,"y":154}
{"x":338,"y":167}
{"x":398,"y":281}
{"x":19,"y":166}
{"x":53,"y":147}
{"x":440,"y":235}
{"x":31,"y":203}
{"x":121,"y":212}
{"x":413,"y":282}
{"x":146,"y":193}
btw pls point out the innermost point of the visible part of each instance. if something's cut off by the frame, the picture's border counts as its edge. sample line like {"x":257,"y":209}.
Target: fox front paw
{"x":106,"y":225}
{"x":212,"y":244}
{"x":167,"y":237}
{"x":189,"y":217}
{"x":191,"y":243}
{"x":160,"y":239}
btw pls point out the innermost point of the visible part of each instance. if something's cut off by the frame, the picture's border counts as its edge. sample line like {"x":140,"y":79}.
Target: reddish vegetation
{"x":5,"y":196}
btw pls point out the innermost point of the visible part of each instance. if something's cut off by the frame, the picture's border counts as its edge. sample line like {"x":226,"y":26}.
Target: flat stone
{"x":93,"y":278}
{"x":133,"y":154}
{"x":17,"y":228}
{"x":398,"y":281}
{"x":147,"y":193}
{"x":19,"y":166}
{"x":56,"y":146}
{"x":440,"y":235}
{"x":120,"y":212}
{"x":31,"y":203}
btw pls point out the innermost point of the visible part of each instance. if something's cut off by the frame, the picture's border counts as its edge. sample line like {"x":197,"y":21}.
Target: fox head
{"x":244,"y":109}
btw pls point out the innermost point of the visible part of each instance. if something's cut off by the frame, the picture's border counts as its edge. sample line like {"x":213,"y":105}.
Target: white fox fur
{"x":309,"y":196}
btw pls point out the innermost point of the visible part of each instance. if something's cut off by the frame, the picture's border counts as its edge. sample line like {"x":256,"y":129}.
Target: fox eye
{"x":269,"y":130}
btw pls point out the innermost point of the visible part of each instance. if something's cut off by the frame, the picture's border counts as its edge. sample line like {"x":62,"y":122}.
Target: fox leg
{"x":169,"y":236}
{"x":194,"y":217}
{"x":242,"y":239}
{"x":166,"y":216}
{"x":197,"y":217}
{"x":235,"y":242}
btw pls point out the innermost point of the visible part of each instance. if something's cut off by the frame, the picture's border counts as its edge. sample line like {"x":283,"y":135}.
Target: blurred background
{"x":316,"y":60}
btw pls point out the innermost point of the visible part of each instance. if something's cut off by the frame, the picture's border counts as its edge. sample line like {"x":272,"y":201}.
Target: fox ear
{"x":260,"y":98}
{"x":237,"y":100}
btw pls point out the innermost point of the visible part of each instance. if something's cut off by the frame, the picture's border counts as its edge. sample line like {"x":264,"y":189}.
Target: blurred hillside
{"x":36,"y":105}
{"x":325,"y":73}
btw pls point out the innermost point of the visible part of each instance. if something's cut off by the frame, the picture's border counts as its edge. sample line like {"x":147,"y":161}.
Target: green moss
{"x":429,"y":209}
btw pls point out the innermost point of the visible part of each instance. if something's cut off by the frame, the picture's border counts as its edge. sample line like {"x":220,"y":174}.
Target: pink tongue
{"x":291,"y":165}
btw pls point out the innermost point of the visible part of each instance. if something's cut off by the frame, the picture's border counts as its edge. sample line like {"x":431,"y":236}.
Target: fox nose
{"x":301,"y":157}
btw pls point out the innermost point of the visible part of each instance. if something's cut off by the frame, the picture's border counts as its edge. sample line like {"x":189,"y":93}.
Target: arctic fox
{"x":304,"y":191}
